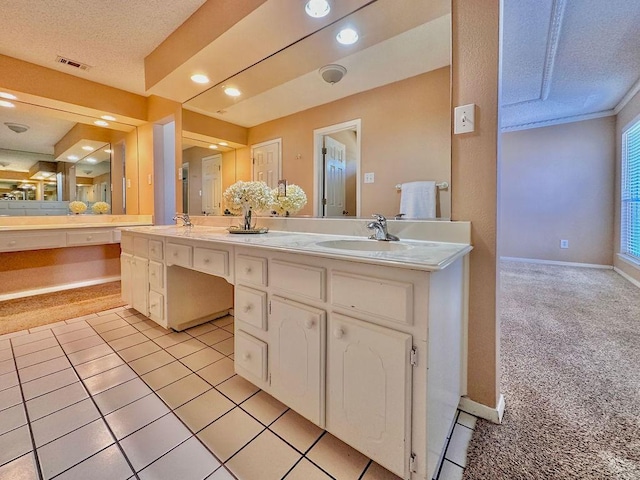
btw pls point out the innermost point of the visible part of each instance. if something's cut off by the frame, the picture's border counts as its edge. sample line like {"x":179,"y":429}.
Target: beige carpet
{"x":30,"y":312}
{"x":570,"y":355}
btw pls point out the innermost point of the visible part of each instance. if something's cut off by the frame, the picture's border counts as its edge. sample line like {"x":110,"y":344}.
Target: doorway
{"x":336,"y":160}
{"x":212,"y":185}
{"x":267,"y":162}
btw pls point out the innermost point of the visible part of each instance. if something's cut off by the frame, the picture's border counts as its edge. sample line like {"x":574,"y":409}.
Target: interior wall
{"x":629,"y":114}
{"x":405,"y":136}
{"x":474,"y":171}
{"x":557,"y":182}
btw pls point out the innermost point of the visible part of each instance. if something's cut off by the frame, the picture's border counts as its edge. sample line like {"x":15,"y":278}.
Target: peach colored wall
{"x":475,"y":47}
{"x":630,"y":113}
{"x":557,"y":183}
{"x":405,"y":136}
{"x":21,"y":271}
{"x":212,"y":127}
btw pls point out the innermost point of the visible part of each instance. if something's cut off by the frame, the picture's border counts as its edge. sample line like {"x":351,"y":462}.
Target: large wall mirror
{"x":50,"y":157}
{"x":383,"y":104}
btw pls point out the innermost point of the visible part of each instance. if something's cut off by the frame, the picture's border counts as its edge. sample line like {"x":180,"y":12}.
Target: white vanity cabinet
{"x":134,"y":271}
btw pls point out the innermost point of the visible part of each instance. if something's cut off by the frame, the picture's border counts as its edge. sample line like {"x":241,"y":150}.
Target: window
{"x":630,"y":213}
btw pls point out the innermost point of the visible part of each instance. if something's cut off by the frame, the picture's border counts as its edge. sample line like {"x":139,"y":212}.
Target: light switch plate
{"x":465,"y":117}
{"x":369,"y":177}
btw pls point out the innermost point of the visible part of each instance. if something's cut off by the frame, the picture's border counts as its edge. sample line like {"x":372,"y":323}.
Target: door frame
{"x":318,"y":164}
{"x":262,"y":144}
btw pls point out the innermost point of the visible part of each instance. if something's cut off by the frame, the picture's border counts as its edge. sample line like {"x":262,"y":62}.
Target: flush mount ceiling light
{"x":224,"y":144}
{"x":101,"y":123}
{"x":347,"y":36}
{"x":91,"y":160}
{"x":332,"y":73}
{"x":199,"y":78}
{"x":16,"y":127}
{"x":232,"y":91}
{"x":107,"y":150}
{"x":317,"y":8}
{"x":213,"y":147}
{"x":8,"y":96}
{"x":4,"y":103}
{"x":87,"y":148}
{"x":73,"y":158}
{"x":111,"y":118}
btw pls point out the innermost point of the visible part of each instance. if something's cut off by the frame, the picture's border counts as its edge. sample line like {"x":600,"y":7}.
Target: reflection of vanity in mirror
{"x":386,"y":105}
{"x":49,"y":158}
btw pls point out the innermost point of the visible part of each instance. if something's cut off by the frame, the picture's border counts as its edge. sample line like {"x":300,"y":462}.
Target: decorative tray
{"x":242,"y":230}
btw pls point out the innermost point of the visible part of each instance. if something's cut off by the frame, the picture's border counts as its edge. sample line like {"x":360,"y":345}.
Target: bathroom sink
{"x":363,"y":245}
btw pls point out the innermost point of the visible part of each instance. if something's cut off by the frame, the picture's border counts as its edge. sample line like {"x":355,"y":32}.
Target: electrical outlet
{"x":369,"y":177}
{"x":564,"y":243}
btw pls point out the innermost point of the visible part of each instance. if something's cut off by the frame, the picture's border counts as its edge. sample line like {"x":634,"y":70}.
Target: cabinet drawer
{"x":156,"y":306}
{"x":303,"y":280}
{"x":215,"y":262}
{"x":252,"y":270}
{"x":251,"y":307}
{"x":11,"y":243}
{"x":155,"y":250}
{"x":88,"y":238}
{"x":385,"y":299}
{"x":250,"y":356}
{"x":141,"y":247}
{"x":126,"y":243}
{"x":179,"y":255}
{"x":156,"y":275}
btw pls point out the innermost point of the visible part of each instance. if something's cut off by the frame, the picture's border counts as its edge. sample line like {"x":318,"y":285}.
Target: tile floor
{"x":114,"y":396}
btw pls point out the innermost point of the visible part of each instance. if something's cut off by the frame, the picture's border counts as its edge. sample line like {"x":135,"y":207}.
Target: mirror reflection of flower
{"x":292,"y":203}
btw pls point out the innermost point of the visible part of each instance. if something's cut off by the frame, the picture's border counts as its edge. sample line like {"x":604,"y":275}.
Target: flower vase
{"x":246,"y":218}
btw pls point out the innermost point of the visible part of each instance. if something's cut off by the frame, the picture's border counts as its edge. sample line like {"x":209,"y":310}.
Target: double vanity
{"x":364,"y":338}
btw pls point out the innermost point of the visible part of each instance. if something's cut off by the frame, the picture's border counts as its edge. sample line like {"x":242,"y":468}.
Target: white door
{"x":335,"y":154}
{"x":296,"y":362}
{"x":212,"y":185}
{"x":266,"y":162}
{"x":369,"y":390}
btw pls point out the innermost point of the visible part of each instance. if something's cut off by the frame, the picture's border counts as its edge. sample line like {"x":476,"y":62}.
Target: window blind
{"x":630,"y":211}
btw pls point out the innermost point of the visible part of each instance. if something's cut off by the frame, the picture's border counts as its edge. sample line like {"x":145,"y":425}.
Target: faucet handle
{"x":379,"y":217}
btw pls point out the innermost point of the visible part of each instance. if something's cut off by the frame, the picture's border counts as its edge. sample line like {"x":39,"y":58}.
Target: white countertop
{"x":414,"y":254}
{"x":20,"y":228}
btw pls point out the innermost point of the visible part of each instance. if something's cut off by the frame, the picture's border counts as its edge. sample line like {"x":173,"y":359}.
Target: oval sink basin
{"x":364,"y":245}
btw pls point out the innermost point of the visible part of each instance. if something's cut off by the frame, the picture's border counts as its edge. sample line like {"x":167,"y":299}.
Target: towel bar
{"x":441,"y":186}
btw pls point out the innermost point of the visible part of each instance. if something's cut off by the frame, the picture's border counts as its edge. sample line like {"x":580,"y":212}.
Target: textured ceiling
{"x":566,"y":60}
{"x":113,"y":36}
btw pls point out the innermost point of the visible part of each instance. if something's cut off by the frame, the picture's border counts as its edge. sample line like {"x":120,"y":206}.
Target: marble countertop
{"x":414,"y":254}
{"x":70,"y":226}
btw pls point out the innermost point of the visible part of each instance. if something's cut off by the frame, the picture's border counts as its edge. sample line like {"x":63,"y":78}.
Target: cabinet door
{"x":125,"y":277}
{"x":369,"y":390}
{"x":140,"y":284}
{"x":296,"y":357}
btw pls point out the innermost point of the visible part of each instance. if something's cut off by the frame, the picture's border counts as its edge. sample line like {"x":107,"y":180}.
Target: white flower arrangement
{"x":295,"y":200}
{"x":77,"y":207}
{"x":100,"y":207}
{"x":242,"y":195}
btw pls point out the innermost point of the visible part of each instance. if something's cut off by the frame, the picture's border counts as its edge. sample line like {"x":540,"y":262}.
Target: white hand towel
{"x":418,"y":199}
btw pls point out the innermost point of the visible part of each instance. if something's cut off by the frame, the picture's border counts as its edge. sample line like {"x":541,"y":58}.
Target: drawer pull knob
{"x":247,"y":307}
{"x":247,"y":270}
{"x":175,"y":254}
{"x":338,"y":333}
{"x":246,"y":356}
{"x":12,"y":243}
{"x":206,"y":260}
{"x":309,"y":323}
{"x":89,"y":237}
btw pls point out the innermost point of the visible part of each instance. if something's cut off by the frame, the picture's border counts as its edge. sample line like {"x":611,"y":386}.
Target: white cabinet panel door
{"x":369,"y":390}
{"x":140,"y":284}
{"x":125,"y":277}
{"x":296,"y":357}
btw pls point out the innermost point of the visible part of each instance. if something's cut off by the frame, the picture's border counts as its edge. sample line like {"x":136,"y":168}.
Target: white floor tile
{"x":64,"y":421}
{"x":136,"y":415}
{"x":457,"y":449}
{"x":450,"y":471}
{"x":188,"y":461}
{"x":467,"y":420}
{"x":14,"y":444}
{"x":121,"y":395}
{"x":23,"y":468}
{"x":12,"y":418}
{"x":56,"y":400}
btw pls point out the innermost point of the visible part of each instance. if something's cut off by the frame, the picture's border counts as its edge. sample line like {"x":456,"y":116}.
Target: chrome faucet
{"x":186,"y":221}
{"x":379,"y":227}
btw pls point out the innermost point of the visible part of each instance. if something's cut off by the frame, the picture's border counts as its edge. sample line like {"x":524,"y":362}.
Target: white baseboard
{"x":482,"y":411}
{"x":58,"y":288}
{"x":627,"y":276}
{"x":555,"y":262}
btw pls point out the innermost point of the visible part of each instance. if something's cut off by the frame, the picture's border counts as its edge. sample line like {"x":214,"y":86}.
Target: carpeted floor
{"x":30,"y":312}
{"x":570,"y":352}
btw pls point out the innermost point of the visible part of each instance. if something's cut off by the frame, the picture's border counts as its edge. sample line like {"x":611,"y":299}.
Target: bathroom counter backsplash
{"x":414,"y":254}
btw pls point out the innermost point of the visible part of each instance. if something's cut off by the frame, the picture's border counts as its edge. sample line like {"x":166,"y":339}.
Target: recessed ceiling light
{"x":111,"y":118}
{"x":224,"y":144}
{"x":8,"y":96}
{"x":91,"y":160}
{"x":232,"y":91}
{"x":4,"y":103}
{"x":88,"y":148}
{"x":73,"y":158}
{"x":101,"y":123}
{"x":199,"y":78}
{"x":347,"y":36}
{"x":107,"y":150}
{"x":213,"y":147}
{"x":317,"y":8}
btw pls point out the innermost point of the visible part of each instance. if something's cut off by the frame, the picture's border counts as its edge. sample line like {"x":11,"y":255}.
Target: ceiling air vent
{"x":73,"y":63}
